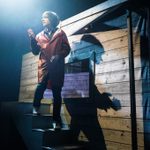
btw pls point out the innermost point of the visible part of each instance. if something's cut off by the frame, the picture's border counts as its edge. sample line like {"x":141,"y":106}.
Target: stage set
{"x":106,"y":93}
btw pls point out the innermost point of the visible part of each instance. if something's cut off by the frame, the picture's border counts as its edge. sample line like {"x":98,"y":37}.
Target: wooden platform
{"x":111,"y":104}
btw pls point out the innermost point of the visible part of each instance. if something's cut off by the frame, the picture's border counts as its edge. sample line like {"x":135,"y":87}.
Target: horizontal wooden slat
{"x":117,"y":65}
{"x":119,"y":53}
{"x":29,"y":68}
{"x":119,"y":146}
{"x":31,"y":78}
{"x":119,"y":124}
{"x":101,"y":36}
{"x":82,"y":93}
{"x":121,"y":136}
{"x":122,"y":87}
{"x":30,"y":61}
{"x":124,"y":112}
{"x":101,"y":56}
{"x":116,"y":76}
{"x":124,"y":99}
{"x":27,"y":56}
{"x":28,"y":88}
{"x":25,"y":96}
{"x":114,"y":43}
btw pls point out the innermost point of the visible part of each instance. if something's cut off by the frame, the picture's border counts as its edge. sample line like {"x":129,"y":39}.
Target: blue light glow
{"x":18,"y":13}
{"x":15,"y":5}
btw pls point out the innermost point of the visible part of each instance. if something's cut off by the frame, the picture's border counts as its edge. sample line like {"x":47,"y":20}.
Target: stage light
{"x":14,"y":5}
{"x":17,"y":8}
{"x":17,"y":12}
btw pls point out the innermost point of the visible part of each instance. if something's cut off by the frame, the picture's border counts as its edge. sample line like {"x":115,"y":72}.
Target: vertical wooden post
{"x":132,"y":82}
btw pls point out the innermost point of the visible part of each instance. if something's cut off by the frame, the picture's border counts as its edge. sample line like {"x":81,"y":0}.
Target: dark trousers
{"x":57,"y":100}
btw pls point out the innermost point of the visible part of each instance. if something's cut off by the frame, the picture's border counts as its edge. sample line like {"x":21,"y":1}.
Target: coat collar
{"x":56,"y":34}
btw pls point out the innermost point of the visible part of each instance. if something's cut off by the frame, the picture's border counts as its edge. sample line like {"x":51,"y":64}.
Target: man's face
{"x":45,"y":20}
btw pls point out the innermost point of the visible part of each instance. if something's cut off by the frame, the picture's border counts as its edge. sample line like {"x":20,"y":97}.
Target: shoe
{"x":36,"y":111}
{"x":57,"y":126}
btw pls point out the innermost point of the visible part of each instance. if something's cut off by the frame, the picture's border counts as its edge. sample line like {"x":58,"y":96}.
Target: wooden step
{"x":69,"y":147}
{"x":42,"y":121}
{"x":53,"y":137}
{"x":78,"y":145}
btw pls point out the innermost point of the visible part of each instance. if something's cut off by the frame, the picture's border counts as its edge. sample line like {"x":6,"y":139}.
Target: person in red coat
{"x":52,"y":46}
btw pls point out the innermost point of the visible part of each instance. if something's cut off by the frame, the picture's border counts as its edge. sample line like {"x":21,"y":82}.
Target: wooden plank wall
{"x":29,"y":78}
{"x":76,"y":85}
{"x":111,"y":76}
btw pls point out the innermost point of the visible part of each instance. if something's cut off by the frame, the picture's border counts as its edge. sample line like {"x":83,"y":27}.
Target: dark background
{"x":15,"y":18}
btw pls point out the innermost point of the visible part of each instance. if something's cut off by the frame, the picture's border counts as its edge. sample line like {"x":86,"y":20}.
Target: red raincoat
{"x":56,"y":46}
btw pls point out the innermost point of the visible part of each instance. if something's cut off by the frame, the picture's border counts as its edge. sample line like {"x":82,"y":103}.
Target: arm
{"x":65,"y":46}
{"x":35,"y":48}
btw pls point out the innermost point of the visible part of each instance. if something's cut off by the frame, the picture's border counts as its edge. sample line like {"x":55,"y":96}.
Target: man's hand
{"x":31,"y":34}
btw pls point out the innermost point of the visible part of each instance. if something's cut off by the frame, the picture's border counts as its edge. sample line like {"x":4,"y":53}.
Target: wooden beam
{"x":77,"y":22}
{"x":94,"y":10}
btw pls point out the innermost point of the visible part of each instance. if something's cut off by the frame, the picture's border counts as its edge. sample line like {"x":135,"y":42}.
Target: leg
{"x":57,"y":103}
{"x":38,"y":95}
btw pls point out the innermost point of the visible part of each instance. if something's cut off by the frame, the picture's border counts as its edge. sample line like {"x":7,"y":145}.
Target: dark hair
{"x":53,"y":17}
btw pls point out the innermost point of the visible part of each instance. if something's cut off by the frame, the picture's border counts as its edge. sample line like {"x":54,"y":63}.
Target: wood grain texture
{"x":111,"y":79}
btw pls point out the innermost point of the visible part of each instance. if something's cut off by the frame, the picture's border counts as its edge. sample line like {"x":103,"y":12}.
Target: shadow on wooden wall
{"x":83,"y":112}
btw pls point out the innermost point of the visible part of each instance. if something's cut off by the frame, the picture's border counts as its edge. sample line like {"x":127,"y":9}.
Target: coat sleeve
{"x":65,"y":46}
{"x":35,"y":48}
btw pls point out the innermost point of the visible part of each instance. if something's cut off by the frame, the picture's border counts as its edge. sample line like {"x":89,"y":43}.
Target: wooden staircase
{"x":37,"y":132}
